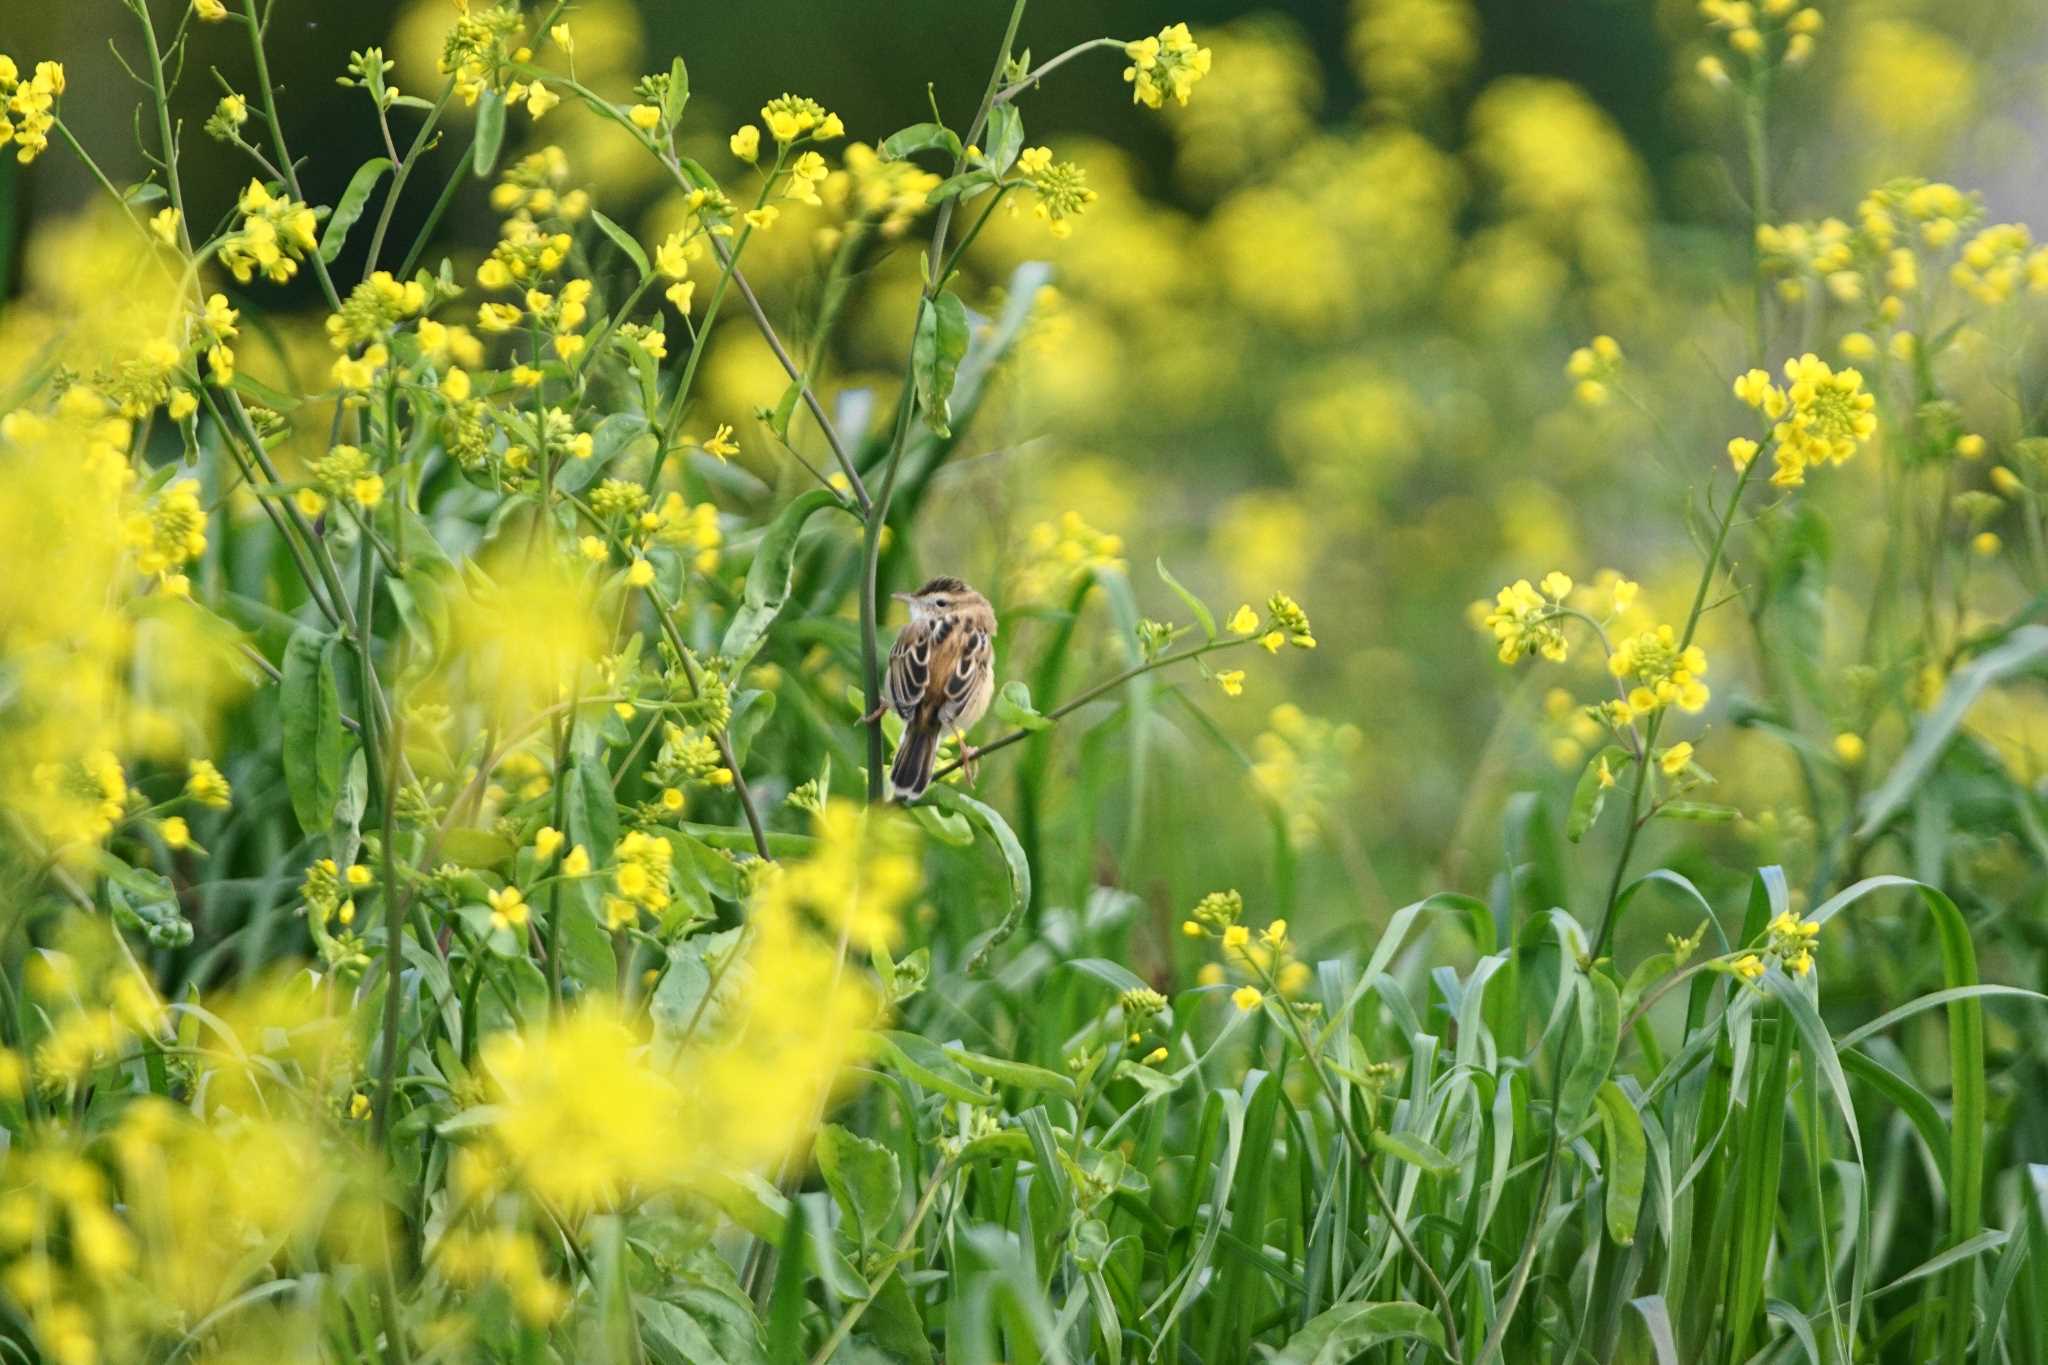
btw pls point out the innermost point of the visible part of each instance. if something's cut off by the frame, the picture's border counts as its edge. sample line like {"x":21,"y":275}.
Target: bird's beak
{"x":904,"y":597}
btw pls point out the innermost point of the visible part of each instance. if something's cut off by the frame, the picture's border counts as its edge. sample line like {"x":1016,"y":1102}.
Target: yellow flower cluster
{"x":1663,"y":672}
{"x":857,"y":881}
{"x":1820,"y":416}
{"x":1409,"y":52}
{"x":1762,"y":31}
{"x":1527,"y":620}
{"x":1591,"y":367}
{"x":1998,"y":261}
{"x":1169,"y":64}
{"x":478,"y":46}
{"x":1267,"y":956}
{"x":1303,"y":765}
{"x":1790,"y":940}
{"x":27,"y":113}
{"x":888,"y":194}
{"x":639,"y":877}
{"x":1057,"y":553}
{"x":170,"y":532}
{"x":275,"y":234}
{"x":536,"y":185}
{"x":792,"y":118}
{"x":1061,"y":187}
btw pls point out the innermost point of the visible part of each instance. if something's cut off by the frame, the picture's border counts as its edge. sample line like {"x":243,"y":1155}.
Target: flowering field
{"x":1343,"y":701}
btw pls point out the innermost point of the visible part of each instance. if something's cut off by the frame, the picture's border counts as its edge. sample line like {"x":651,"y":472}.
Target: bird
{"x":940,"y":679}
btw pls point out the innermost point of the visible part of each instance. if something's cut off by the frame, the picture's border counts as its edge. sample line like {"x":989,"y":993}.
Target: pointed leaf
{"x":349,"y":207}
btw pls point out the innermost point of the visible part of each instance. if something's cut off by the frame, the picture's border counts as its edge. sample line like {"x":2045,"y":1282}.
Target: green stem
{"x":1692,"y":621}
{"x":845,"y":1325}
{"x":277,"y":143}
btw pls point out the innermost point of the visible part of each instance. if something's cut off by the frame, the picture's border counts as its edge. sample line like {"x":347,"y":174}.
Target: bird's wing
{"x":910,"y":666}
{"x":970,"y":657}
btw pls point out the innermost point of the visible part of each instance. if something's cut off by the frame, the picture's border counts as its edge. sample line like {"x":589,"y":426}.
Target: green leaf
{"x":476,"y":847}
{"x":948,"y":828}
{"x":919,"y":137}
{"x":959,"y":186}
{"x":623,"y":239}
{"x":614,"y":436}
{"x":1599,"y":1038}
{"x":921,"y":1060}
{"x":490,"y":132}
{"x":1194,"y":604}
{"x":350,"y":207}
{"x":768,"y":577}
{"x":1413,"y":1150}
{"x":315,"y":745}
{"x":677,"y":97}
{"x":1020,"y":1075}
{"x":1699,"y":812}
{"x":1014,"y":861}
{"x":1621,"y":1134}
{"x":1591,"y":793}
{"x":1013,"y":707}
{"x":1005,"y":137}
{"x":863,"y":1178}
{"x":590,"y":811}
{"x":1350,"y":1329}
{"x":785,"y":408}
{"x":893,"y":1324}
{"x":941,"y":344}
{"x":2024,"y":649}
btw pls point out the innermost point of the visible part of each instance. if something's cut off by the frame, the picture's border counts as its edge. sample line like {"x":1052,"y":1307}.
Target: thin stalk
{"x":1692,"y":621}
{"x":845,"y":1325}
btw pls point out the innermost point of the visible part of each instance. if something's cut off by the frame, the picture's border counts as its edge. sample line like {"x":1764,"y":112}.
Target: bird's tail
{"x":912,"y":771}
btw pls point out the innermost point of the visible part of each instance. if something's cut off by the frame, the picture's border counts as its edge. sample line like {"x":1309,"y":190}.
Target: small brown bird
{"x":941,"y":677}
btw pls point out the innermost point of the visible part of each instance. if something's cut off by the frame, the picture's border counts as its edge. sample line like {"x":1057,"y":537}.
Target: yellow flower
{"x":746,"y":143}
{"x":1169,"y":64}
{"x":209,"y":11}
{"x":645,"y":117}
{"x":1243,"y":621}
{"x":206,"y":786}
{"x":540,"y":99}
{"x":593,"y":549}
{"x":1970,"y":446}
{"x":641,"y":573}
{"x":1236,"y":936}
{"x":310,"y":502}
{"x":1749,"y":966}
{"x":358,"y":875}
{"x":547,"y":841}
{"x":1526,"y":621}
{"x":359,"y":1106}
{"x":721,"y":443}
{"x":164,"y":226}
{"x":1986,"y":544}
{"x":763,"y":218}
{"x":577,"y":864}
{"x":1664,"y":673}
{"x":1741,"y":450}
{"x":1246,"y":998}
{"x":175,"y":833}
{"x":1675,"y":759}
{"x":508,"y":908}
{"x":1231,"y":680}
{"x":1849,"y":748}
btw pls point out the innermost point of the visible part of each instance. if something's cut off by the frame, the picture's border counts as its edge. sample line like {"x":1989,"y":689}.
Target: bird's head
{"x":940,"y":597}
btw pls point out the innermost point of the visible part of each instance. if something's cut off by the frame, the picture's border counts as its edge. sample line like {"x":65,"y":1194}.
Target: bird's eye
{"x":939,"y":602}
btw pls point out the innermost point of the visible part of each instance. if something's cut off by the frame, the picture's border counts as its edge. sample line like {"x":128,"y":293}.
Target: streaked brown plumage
{"x":941,"y":677}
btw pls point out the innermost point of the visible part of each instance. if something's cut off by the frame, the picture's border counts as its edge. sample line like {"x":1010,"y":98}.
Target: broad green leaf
{"x":1020,"y":1075}
{"x":315,"y":744}
{"x":960,"y":186}
{"x":1591,"y":793}
{"x":1598,"y":1039}
{"x":677,"y":97}
{"x":1349,"y":1330}
{"x":614,"y":436}
{"x":940,"y":345}
{"x":1413,"y":1150}
{"x":476,"y":847}
{"x":778,"y":417}
{"x":1205,"y":617}
{"x":1005,"y":137}
{"x":623,"y":239}
{"x":1621,"y":1129}
{"x":490,"y":132}
{"x":768,"y":577}
{"x":350,"y":206}
{"x":919,"y":137}
{"x":589,"y":808}
{"x":863,"y":1176}
{"x":1013,"y":707}
{"x":921,"y":1060}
